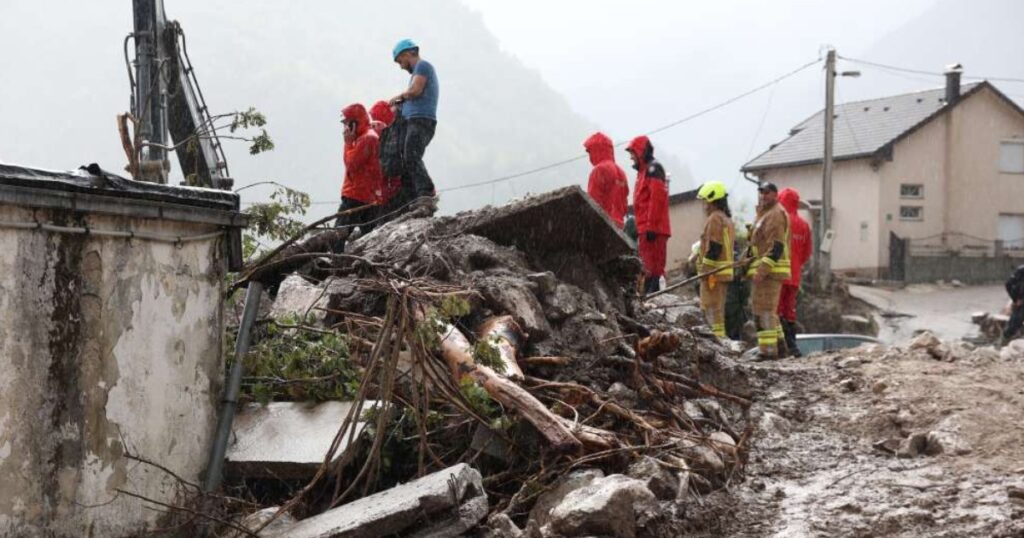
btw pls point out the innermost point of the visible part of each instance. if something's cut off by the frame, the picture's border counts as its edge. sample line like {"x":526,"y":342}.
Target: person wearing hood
{"x":768,"y":269}
{"x":650,"y":205}
{"x":382,"y":117}
{"x":715,"y":254}
{"x":800,"y":247}
{"x":607,"y":185}
{"x":363,"y":178}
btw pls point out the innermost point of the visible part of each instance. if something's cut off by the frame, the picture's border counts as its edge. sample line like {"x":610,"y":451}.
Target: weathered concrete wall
{"x":106,"y":345}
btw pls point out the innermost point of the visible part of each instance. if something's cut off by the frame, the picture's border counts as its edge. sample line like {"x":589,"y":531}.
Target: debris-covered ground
{"x":495,"y":374}
{"x":919,"y":440}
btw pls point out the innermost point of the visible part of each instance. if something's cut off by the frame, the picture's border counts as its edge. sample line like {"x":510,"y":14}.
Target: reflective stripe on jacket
{"x":718,"y":228}
{"x":772,"y":227}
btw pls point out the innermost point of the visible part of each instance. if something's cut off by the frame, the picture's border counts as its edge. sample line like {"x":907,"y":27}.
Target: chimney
{"x":953,"y":72}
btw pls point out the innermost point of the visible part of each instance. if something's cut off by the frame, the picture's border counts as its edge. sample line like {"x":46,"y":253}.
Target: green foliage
{"x":451,"y":308}
{"x":485,"y":352}
{"x":275,"y":220}
{"x":479,"y":401}
{"x":296,"y":364}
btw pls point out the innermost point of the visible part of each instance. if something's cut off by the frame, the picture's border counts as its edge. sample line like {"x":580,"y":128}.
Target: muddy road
{"x":881,"y":442}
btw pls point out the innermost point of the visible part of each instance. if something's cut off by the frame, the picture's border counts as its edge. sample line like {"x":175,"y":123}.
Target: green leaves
{"x":274,"y":220}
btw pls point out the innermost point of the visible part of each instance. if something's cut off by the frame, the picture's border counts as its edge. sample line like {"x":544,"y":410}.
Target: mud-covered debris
{"x":615,"y":505}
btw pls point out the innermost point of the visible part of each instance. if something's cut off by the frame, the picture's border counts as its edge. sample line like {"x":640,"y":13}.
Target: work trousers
{"x":764,"y":303}
{"x":712,"y":302}
{"x":1013,"y":325}
{"x":361,"y":219}
{"x":416,"y":182}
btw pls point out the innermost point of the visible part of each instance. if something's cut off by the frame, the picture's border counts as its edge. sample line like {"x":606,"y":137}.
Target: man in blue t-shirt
{"x":419,"y":114}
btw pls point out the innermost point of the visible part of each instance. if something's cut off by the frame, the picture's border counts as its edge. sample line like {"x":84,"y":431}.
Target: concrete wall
{"x":855,"y":195}
{"x":103,"y":342}
{"x":967,"y":269}
{"x":687,"y":219}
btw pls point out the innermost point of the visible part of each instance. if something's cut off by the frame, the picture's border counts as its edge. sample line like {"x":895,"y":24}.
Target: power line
{"x":924,"y":72}
{"x":665,"y":127}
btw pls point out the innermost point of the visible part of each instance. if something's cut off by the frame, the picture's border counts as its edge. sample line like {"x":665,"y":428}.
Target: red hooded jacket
{"x":608,"y":185}
{"x":363,"y":176}
{"x":800,"y":242}
{"x":382,"y":117}
{"x":650,"y":196}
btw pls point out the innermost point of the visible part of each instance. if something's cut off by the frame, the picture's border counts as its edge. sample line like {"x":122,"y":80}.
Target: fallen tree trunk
{"x":458,"y":353}
{"x":506,"y":335}
{"x":677,"y":383}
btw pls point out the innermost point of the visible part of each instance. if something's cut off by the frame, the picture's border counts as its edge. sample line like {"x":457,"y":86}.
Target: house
{"x":686,"y":216}
{"x":942,"y":168}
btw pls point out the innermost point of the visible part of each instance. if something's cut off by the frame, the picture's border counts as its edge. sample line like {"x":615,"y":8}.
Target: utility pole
{"x":825,"y":248}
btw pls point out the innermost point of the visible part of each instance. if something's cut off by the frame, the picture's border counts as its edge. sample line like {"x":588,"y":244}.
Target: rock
{"x":925,"y":341}
{"x":655,"y":477}
{"x":256,"y":520}
{"x":1013,"y":351}
{"x":693,"y":410}
{"x":484,"y":440}
{"x":978,"y":318}
{"x":562,"y":303}
{"x":702,"y":457}
{"x":622,"y":394}
{"x":879,"y":387}
{"x":511,"y":295}
{"x":298,"y":298}
{"x":1015,"y":492}
{"x":610,"y":506}
{"x":912,"y":446}
{"x":547,"y":501}
{"x":849,"y":384}
{"x":771,"y":424}
{"x":452,"y":501}
{"x":850,"y":362}
{"x":889,"y":446}
{"x":501,"y":526}
{"x":956,"y":283}
{"x":284,"y":440}
{"x":545,"y":281}
{"x":725,"y":445}
{"x":946,"y":442}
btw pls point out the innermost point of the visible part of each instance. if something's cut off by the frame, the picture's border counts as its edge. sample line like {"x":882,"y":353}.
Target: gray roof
{"x":862,"y":128}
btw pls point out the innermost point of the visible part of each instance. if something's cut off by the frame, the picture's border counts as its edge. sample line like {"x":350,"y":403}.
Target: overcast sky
{"x":627,"y":66}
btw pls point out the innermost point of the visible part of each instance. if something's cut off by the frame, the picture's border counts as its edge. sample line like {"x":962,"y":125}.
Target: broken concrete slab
{"x":548,"y":500}
{"x":287,"y":439}
{"x":256,"y":520}
{"x":452,"y":498}
{"x":530,"y":225}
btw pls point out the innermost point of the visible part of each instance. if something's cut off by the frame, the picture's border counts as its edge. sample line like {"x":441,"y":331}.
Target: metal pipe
{"x":215,"y":467}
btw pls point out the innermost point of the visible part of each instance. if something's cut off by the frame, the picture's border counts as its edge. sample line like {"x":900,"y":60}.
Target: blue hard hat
{"x":403,"y":46}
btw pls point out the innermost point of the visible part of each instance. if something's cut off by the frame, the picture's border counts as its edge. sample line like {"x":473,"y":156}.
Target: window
{"x":911,"y":190}
{"x":1011,"y":230}
{"x":911,"y":212}
{"x":1011,"y":157}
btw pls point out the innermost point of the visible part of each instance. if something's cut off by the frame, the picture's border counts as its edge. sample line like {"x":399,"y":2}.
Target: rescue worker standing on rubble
{"x":383,"y":117}
{"x":768,"y":268}
{"x":715,"y":253}
{"x":799,"y":251}
{"x":607,"y":185}
{"x":650,"y":205}
{"x":363,"y":177}
{"x":419,"y":121}
{"x":1015,"y":289}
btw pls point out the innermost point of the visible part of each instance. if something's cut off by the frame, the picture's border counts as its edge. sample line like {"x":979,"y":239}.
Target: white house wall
{"x":687,"y":221}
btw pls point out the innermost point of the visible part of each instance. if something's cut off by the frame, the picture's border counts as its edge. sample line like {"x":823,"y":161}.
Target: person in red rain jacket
{"x":363,"y":176}
{"x":608,"y":185}
{"x":382,"y":116}
{"x":800,"y":245}
{"x":650,"y":205}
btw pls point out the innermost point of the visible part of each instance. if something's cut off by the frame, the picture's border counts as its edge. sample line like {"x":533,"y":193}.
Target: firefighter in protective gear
{"x":607,"y":184}
{"x":769,"y":268}
{"x":716,"y":252}
{"x":650,"y":204}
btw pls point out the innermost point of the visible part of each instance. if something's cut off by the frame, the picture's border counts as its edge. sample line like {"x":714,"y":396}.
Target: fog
{"x":522,"y":83}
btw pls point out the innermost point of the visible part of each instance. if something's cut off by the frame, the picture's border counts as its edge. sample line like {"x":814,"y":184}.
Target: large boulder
{"x":615,"y":506}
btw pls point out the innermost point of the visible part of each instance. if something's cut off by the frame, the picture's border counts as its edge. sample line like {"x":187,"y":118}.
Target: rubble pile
{"x":510,"y":383}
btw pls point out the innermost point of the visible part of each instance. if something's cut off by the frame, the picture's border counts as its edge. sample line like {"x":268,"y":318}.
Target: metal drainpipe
{"x":215,"y":467}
